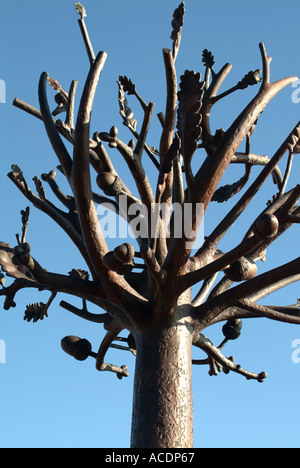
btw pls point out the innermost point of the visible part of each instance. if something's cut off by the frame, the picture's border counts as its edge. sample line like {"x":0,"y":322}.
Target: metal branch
{"x":99,"y":158}
{"x":101,"y":162}
{"x":75,"y":286}
{"x":88,"y":45}
{"x":80,"y":179}
{"x":100,"y":364}
{"x":266,"y":60}
{"x":126,"y":85}
{"x":281,"y":314}
{"x":117,"y":289}
{"x":144,"y":131}
{"x":53,"y":135}
{"x":70,"y":108}
{"x":178,"y":183}
{"x":283,"y":208}
{"x":152,"y":263}
{"x":287,"y":173}
{"x":208,"y":103}
{"x":257,"y":160}
{"x":228,"y":364}
{"x":214,"y":238}
{"x":222,"y":261}
{"x":293,"y":218}
{"x":223,"y":285}
{"x":204,"y":290}
{"x":84,"y":313}
{"x":212,"y":308}
{"x":62,"y":130}
{"x":50,"y":179}
{"x":135,"y":166}
{"x":61,"y":218}
{"x":25,"y":221}
{"x":252,"y":78}
{"x":239,"y":313}
{"x":232,"y":139}
{"x":212,"y":170}
{"x":170,"y":113}
{"x":17,"y":285}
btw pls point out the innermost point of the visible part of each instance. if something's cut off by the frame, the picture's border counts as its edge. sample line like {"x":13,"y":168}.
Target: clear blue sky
{"x":47,"y":399}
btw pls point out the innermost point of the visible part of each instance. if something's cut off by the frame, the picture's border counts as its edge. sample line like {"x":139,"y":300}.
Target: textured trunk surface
{"x":162,"y":400}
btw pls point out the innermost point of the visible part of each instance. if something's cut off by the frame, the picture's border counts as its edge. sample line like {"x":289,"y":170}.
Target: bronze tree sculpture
{"x":149,"y":292}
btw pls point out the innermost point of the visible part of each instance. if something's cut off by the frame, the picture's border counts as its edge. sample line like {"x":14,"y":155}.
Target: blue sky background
{"x":48,"y":399}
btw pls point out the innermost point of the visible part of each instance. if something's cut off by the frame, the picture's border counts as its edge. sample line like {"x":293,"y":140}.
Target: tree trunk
{"x":163,"y":399}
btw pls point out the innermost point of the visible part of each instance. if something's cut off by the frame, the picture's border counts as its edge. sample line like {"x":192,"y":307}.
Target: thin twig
{"x":266,"y":60}
{"x":144,"y":131}
{"x":87,"y":42}
{"x":70,"y":109}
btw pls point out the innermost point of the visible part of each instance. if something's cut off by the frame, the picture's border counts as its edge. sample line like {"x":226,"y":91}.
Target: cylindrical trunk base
{"x":163,"y":400}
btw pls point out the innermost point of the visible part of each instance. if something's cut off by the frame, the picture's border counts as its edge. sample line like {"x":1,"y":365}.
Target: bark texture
{"x":163,"y":401}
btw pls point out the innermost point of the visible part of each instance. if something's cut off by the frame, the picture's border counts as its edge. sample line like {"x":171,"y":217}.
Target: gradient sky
{"x":49,"y":400}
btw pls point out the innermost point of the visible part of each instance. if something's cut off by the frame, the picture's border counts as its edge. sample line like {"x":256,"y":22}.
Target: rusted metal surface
{"x":145,"y":292}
